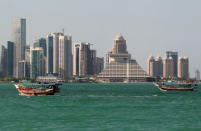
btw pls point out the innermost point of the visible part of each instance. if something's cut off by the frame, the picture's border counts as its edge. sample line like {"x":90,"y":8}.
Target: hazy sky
{"x":150,"y":27}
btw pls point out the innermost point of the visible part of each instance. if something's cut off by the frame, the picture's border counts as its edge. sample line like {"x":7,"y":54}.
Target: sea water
{"x":97,"y":107}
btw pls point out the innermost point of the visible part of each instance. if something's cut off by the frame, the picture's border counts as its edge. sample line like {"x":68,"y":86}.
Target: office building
{"x":21,"y":69}
{"x":41,"y":43}
{"x":27,"y":60}
{"x":120,"y":67}
{"x":10,"y":58}
{"x":91,"y":68}
{"x":37,"y":62}
{"x":197,"y":75}
{"x":19,"y":39}
{"x":168,"y":67}
{"x":158,"y":67}
{"x":81,"y":59}
{"x":53,"y":53}
{"x":56,"y":52}
{"x":65,"y":57}
{"x":4,"y":62}
{"x":49,"y":58}
{"x":183,"y":68}
{"x":174,"y":56}
{"x":99,"y":64}
{"x":151,"y":66}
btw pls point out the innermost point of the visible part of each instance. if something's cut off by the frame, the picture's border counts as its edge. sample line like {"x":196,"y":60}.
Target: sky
{"x":150,"y":27}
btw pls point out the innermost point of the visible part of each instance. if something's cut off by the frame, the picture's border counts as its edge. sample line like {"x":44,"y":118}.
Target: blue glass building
{"x":49,"y":54}
{"x":10,"y":58}
{"x":41,"y":43}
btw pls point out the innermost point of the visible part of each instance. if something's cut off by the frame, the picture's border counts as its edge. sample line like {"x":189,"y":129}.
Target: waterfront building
{"x":168,"y":67}
{"x":10,"y":58}
{"x":99,"y":64}
{"x":91,"y":68}
{"x":65,"y":57}
{"x":120,"y":67}
{"x":27,"y":60}
{"x":49,"y":59}
{"x":85,"y":60}
{"x":19,"y":39}
{"x":37,"y":62}
{"x":81,"y":58}
{"x":4,"y":63}
{"x":151,"y":66}
{"x":41,"y":43}
{"x":21,"y":69}
{"x":174,"y":56}
{"x":159,"y":67}
{"x":53,"y":53}
{"x":183,"y":68}
{"x":56,"y":52}
{"x":197,"y":75}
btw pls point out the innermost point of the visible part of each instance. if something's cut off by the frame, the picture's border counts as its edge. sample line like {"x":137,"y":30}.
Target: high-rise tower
{"x":168,"y":67}
{"x":174,"y":56}
{"x":119,"y":45}
{"x":151,"y":66}
{"x":183,"y":68}
{"x":65,"y":57}
{"x":49,"y":58}
{"x":19,"y":39}
{"x":81,"y":58}
{"x":10,"y":58}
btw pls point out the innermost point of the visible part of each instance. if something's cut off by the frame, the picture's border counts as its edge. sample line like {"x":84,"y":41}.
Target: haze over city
{"x":149,"y":27}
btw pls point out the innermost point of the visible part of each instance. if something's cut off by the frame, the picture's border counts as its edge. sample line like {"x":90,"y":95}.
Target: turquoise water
{"x":94,"y":107}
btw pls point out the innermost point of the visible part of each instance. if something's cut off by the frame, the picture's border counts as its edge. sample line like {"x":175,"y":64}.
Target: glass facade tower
{"x":10,"y":59}
{"x":19,"y":39}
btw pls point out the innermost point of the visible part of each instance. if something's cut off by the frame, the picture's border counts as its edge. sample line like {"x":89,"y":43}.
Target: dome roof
{"x":119,"y":37}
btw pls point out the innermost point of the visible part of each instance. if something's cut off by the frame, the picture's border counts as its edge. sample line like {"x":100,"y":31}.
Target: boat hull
{"x":167,"y":88}
{"x":34,"y":92}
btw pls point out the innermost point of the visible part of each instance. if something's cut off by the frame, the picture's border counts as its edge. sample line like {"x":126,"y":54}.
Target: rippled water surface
{"x":97,"y":107}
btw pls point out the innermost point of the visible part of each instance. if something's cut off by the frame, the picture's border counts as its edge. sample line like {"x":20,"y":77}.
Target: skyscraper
{"x":183,"y":68}
{"x":37,"y":62}
{"x":53,"y":52}
{"x":3,"y":69}
{"x":159,"y":66}
{"x":10,"y":58}
{"x":120,"y":67}
{"x":197,"y":75}
{"x":168,"y":67}
{"x":21,"y":69}
{"x":99,"y":64}
{"x":19,"y":39}
{"x":151,"y":66}
{"x":41,"y":43}
{"x":49,"y":59}
{"x":174,"y":56}
{"x":56,"y":52}
{"x":65,"y":57}
{"x":27,"y":60}
{"x":91,"y":62}
{"x":119,"y":45}
{"x":81,"y":59}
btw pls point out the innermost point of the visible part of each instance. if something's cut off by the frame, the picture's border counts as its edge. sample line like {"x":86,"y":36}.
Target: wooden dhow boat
{"x":176,"y":86}
{"x":36,"y":89}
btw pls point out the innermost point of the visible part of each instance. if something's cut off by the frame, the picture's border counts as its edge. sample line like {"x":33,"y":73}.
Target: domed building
{"x":119,"y":65}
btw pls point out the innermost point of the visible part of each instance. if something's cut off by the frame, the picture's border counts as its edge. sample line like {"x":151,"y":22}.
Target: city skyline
{"x":154,"y":26}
